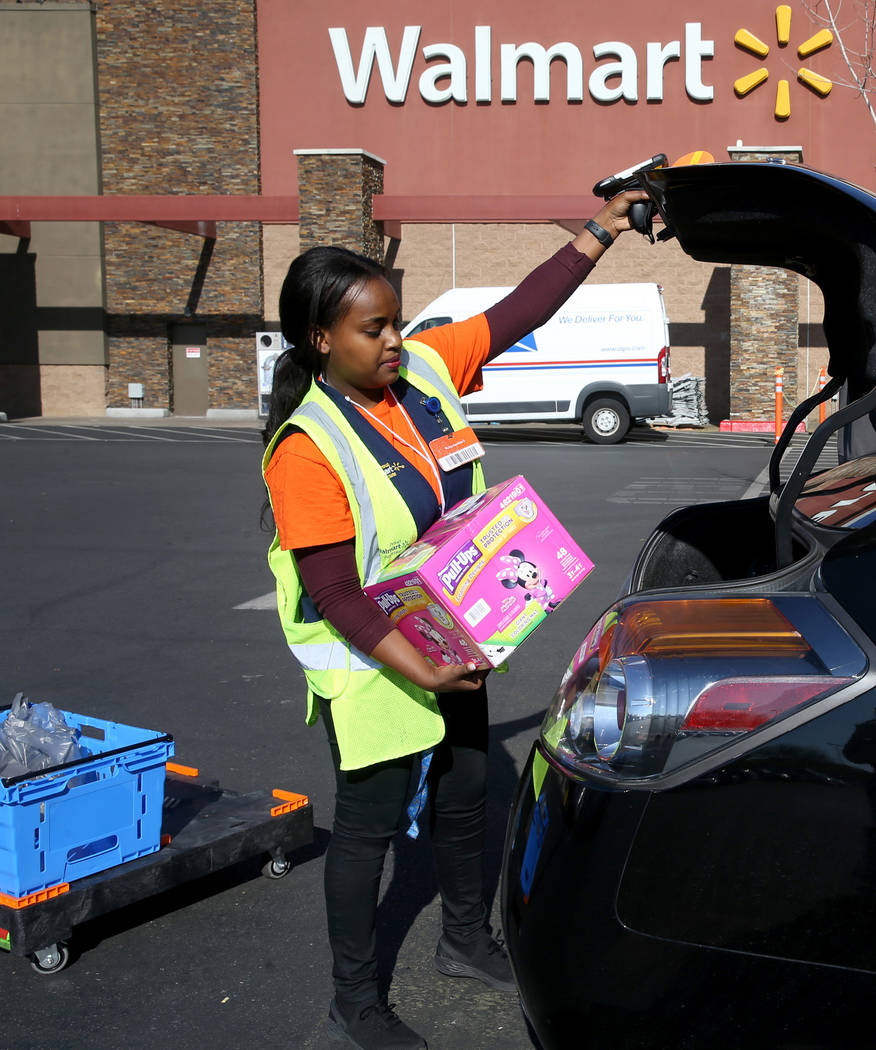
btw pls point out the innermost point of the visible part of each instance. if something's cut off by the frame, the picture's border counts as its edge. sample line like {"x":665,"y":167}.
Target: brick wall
{"x":179,"y":114}
{"x":335,"y":188}
{"x":763,"y":335}
{"x":764,"y":327}
{"x":776,"y":315}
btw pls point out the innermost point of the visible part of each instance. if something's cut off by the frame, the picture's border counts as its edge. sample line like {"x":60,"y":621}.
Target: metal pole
{"x":822,"y":408}
{"x":780,"y":372}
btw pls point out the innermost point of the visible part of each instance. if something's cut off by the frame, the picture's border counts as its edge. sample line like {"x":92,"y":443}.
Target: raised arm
{"x":543,"y":292}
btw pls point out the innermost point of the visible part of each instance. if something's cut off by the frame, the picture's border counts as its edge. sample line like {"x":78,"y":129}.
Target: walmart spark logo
{"x":749,"y":42}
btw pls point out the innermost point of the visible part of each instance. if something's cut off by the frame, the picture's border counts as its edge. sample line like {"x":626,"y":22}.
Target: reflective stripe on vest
{"x":367,"y":524}
{"x":327,"y":656}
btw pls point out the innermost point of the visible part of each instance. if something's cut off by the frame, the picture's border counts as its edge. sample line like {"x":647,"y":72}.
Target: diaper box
{"x":483,"y":577}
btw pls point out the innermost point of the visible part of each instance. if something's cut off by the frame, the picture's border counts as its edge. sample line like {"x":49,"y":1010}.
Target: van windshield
{"x":430,"y":322}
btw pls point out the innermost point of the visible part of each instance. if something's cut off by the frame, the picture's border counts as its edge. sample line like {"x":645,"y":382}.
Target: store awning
{"x":197,"y":214}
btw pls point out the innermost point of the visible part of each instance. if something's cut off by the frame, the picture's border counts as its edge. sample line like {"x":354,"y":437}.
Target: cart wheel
{"x":277,"y":868}
{"x":50,"y":960}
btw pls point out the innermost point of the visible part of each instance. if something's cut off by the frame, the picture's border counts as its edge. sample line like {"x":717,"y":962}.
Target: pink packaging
{"x":482,"y":578}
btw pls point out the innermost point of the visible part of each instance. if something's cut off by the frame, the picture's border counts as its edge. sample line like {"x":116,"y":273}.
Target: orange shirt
{"x":309,"y":501}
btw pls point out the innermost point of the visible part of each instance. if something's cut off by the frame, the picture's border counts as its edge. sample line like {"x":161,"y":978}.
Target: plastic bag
{"x":35,"y":737}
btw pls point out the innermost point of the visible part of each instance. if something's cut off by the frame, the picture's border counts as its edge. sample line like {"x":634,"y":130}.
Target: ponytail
{"x":291,"y":382}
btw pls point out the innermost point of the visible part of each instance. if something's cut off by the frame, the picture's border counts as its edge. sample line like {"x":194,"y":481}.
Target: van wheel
{"x":605,"y":421}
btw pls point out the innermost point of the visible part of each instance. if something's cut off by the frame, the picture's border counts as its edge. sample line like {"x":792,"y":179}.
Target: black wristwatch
{"x":602,"y":235}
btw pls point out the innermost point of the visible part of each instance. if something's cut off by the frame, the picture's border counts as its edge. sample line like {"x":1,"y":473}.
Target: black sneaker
{"x":376,"y":1027}
{"x":484,"y":958}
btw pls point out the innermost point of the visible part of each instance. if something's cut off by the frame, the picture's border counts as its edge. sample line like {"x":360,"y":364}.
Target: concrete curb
{"x":249,"y":414}
{"x":137,"y":413}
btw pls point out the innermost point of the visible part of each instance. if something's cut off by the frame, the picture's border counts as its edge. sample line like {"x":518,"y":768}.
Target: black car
{"x":691,"y":853}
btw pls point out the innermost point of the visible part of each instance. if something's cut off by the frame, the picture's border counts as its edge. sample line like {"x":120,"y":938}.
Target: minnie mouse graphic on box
{"x":430,"y":634}
{"x":522,"y":573}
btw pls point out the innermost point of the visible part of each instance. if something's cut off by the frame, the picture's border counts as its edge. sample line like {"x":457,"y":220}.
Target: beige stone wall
{"x":765,"y":323}
{"x":73,"y":390}
{"x":764,"y":332}
{"x":280,"y":245}
{"x":503,"y":253}
{"x":485,"y":254}
{"x":153,"y":277}
{"x":51,"y":286}
{"x":812,"y":354}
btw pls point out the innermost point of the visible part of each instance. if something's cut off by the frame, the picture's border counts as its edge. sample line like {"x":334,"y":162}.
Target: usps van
{"x":602,"y":360}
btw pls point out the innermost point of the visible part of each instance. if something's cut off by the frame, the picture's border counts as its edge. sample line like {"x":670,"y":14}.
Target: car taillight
{"x":663,"y":365}
{"x":661,"y":683}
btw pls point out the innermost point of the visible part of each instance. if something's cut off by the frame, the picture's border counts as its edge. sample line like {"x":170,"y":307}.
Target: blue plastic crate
{"x":70,"y":821}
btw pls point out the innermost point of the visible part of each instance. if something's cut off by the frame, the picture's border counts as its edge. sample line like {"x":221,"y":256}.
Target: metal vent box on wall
{"x":269,"y":346}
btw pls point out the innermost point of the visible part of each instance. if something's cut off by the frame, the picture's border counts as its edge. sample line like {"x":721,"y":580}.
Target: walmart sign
{"x":452,"y":75}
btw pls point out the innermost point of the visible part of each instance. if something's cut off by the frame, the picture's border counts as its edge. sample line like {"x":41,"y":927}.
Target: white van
{"x":602,"y":360}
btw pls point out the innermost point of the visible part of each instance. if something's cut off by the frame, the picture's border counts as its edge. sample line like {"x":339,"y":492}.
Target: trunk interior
{"x":708,"y":544}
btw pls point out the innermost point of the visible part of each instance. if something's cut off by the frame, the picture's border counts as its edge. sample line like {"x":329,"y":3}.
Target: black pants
{"x":370,"y":808}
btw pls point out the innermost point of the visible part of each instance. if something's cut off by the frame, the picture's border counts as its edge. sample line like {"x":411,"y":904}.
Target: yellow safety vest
{"x":378,"y":714}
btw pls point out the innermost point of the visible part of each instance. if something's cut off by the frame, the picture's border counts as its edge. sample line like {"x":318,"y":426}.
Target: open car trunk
{"x":751,"y":214}
{"x":772,"y":539}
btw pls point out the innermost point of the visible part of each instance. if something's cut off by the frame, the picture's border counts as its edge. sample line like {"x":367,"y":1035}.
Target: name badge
{"x":456,"y":449}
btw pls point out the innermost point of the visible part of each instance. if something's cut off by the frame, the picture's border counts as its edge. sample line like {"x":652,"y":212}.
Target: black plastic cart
{"x":204,"y":829}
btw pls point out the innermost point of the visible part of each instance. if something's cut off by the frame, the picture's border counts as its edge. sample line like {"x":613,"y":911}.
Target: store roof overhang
{"x":198,"y":214}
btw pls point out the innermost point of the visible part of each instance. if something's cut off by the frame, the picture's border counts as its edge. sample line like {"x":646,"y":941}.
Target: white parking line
{"x":677,"y":491}
{"x":673,"y":443}
{"x":110,"y":434}
{"x":49,"y":430}
{"x":209,"y":432}
{"x":130,"y":434}
{"x":759,"y":485}
{"x":265,"y":601}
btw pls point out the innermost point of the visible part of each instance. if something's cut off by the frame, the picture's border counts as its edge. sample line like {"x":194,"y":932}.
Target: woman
{"x":355,"y":469}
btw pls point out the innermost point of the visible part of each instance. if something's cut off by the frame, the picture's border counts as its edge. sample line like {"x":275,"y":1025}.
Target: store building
{"x":162,"y":163}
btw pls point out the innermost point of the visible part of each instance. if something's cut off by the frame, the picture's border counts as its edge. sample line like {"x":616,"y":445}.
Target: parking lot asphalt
{"x":134,"y":584}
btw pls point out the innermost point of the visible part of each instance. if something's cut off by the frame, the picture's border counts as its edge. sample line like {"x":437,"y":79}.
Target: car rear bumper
{"x":588,"y":980}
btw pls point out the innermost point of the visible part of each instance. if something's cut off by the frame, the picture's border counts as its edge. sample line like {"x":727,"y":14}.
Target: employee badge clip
{"x":433,"y":407}
{"x":454,"y":448}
